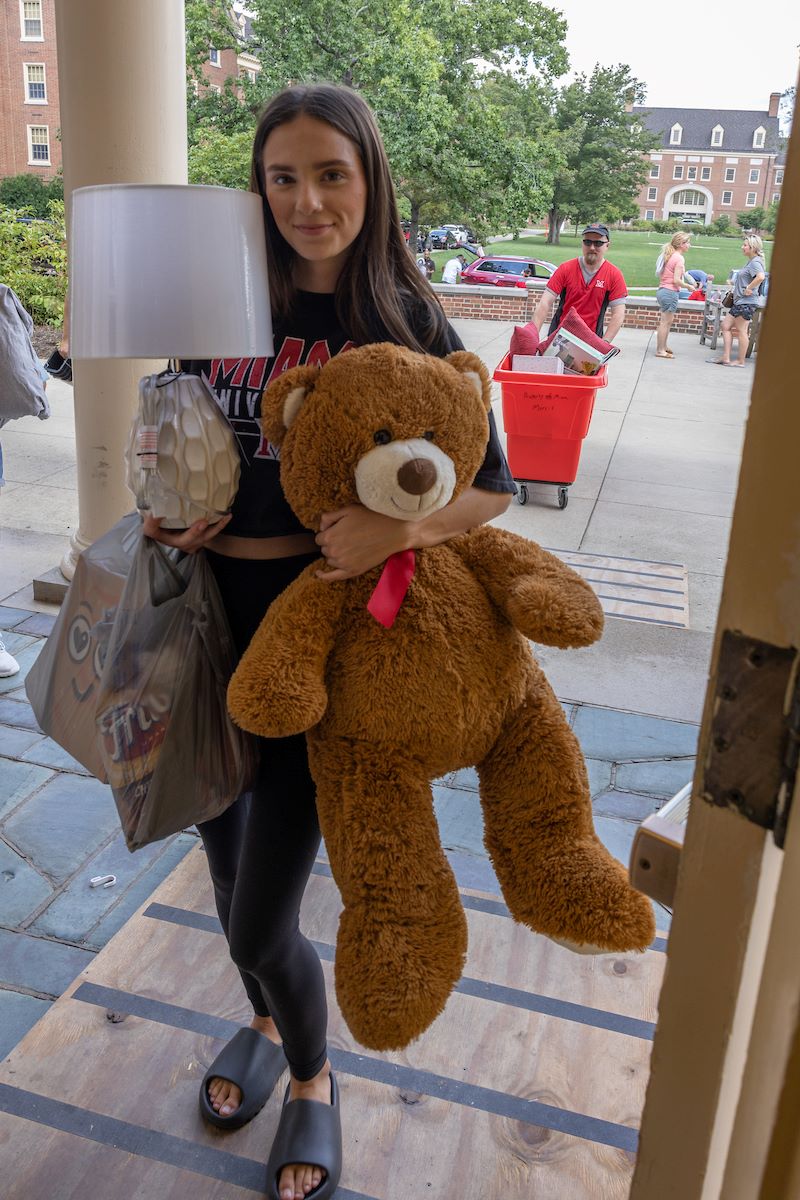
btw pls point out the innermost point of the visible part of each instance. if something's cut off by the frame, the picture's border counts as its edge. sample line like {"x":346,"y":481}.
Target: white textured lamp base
{"x":182,"y":459}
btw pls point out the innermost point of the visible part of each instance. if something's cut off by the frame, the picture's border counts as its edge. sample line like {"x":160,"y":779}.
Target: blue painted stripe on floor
{"x":166,"y":1148}
{"x":532,"y":1112}
{"x":625,"y":571}
{"x":654,"y":562}
{"x":640,"y":587}
{"x":641,"y":603}
{"x":496,"y":993}
{"x":645,"y":620}
{"x":195,"y":920}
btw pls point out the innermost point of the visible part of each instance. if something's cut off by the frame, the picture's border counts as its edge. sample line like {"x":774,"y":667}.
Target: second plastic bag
{"x":172,"y":754}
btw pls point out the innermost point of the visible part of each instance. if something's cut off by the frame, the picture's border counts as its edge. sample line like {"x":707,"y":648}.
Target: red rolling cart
{"x":546,"y":418}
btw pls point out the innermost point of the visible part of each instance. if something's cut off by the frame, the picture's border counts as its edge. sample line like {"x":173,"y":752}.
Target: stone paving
{"x":59,"y":829}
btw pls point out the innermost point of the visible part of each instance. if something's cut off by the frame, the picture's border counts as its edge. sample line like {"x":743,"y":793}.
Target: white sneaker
{"x":8,"y":664}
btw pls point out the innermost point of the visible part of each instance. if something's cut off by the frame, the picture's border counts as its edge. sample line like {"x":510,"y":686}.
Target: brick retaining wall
{"x":512,"y":304}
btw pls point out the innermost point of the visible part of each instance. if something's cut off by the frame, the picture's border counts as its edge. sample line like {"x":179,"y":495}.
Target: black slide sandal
{"x":308,"y":1132}
{"x":254,"y":1064}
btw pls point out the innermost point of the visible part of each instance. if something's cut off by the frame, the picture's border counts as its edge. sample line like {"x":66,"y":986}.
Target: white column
{"x":122,"y":80}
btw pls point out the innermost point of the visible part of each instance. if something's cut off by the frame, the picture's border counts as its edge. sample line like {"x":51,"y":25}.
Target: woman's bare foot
{"x":225,"y":1096}
{"x":298,"y":1179}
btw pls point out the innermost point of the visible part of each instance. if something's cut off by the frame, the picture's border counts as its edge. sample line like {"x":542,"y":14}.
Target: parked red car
{"x":506,"y":270}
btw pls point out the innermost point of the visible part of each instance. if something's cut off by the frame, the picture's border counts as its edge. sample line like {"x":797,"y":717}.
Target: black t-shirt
{"x":313,"y":334}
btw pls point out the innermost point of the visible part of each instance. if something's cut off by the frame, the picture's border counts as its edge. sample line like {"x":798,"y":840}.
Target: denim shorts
{"x":667,"y":299}
{"x":745,"y":311}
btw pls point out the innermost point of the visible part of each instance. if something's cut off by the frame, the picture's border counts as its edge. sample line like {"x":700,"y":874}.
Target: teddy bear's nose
{"x":417,"y":476}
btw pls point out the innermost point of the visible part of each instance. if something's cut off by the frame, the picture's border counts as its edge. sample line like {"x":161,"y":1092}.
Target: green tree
{"x":31,"y":193}
{"x":423,"y":67}
{"x":33,"y":260}
{"x":752,"y":218}
{"x":771,"y":219}
{"x":603,"y":147}
{"x":221,"y":158}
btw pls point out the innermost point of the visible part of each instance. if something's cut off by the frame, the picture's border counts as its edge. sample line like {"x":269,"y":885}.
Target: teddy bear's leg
{"x":556,"y":875}
{"x":402,"y":935}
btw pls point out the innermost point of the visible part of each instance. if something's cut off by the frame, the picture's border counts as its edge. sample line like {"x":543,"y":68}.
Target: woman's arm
{"x":355,"y":539}
{"x":754,"y":284}
{"x":189,"y":540}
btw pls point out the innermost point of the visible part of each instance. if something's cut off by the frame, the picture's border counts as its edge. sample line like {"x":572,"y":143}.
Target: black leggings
{"x":261,"y":850}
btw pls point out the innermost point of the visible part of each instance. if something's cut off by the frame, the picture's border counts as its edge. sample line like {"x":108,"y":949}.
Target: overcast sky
{"x":762,"y":57}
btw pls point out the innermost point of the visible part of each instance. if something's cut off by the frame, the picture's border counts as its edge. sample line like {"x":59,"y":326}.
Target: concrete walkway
{"x":656,"y":482}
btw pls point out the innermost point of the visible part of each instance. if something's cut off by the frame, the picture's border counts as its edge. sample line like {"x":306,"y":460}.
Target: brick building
{"x":711,"y":161}
{"x":29,"y":112}
{"x":29,"y":107}
{"x":232,"y":62}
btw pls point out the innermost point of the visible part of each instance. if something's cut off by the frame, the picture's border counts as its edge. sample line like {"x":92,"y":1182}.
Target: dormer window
{"x":716,"y":135}
{"x":675,"y":135}
{"x":758,"y":138}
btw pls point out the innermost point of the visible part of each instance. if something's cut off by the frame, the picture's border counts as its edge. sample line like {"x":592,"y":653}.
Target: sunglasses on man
{"x":592,"y":242}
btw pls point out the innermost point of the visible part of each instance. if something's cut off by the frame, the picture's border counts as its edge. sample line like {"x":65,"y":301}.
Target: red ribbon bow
{"x":391,"y":588}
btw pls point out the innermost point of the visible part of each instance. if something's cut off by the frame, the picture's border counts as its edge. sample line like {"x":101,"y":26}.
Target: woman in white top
{"x":671,"y":267}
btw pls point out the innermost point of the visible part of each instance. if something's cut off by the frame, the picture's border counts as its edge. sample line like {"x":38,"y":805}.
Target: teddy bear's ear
{"x":475,"y":372}
{"x":283,"y":400}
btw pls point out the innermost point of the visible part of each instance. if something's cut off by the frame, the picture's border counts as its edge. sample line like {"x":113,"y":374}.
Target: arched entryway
{"x":694,"y":204}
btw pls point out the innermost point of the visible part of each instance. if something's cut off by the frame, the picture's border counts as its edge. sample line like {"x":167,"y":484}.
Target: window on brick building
{"x":705,"y":173}
{"x":730,"y":174}
{"x":776,"y":197}
{"x":649,"y":214}
{"x":779,"y":176}
{"x":215,"y":87}
{"x":750,"y":202}
{"x":727,"y":197}
{"x":38,"y":144}
{"x":675,"y":135}
{"x":691,"y":172}
{"x":758,"y":138}
{"x":652,"y":193}
{"x":655,"y":171}
{"x":32,"y":30}
{"x":717,"y":134}
{"x":35,"y":89}
{"x":677,"y":172}
{"x":755,"y":175}
{"x":213,"y":56}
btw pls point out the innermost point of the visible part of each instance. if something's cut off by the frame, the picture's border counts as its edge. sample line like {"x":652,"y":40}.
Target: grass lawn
{"x":634,"y":252}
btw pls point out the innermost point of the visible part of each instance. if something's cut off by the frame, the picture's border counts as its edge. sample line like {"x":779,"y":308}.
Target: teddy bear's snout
{"x":417,"y":476}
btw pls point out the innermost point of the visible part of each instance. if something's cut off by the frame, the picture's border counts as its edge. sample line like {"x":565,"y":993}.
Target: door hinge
{"x":754,"y":747}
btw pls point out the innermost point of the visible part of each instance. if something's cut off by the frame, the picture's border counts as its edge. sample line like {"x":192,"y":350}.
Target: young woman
{"x":340,"y":275}
{"x":672,"y":277}
{"x":745,"y":285}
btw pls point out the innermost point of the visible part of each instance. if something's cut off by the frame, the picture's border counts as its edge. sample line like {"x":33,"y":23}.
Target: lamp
{"x":171,"y":271}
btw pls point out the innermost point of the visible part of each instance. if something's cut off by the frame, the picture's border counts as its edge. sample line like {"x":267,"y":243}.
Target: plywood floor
{"x":530,"y":1084}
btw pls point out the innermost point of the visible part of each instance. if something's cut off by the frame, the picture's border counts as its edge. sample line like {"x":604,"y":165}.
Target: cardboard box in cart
{"x":546,"y":418}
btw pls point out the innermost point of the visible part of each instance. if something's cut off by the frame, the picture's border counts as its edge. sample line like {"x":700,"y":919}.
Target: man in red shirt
{"x":590,"y":285}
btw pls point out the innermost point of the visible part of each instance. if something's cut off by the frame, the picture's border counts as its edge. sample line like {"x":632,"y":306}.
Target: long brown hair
{"x":381,"y":294}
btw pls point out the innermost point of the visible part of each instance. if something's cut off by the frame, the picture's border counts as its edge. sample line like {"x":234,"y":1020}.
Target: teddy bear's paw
{"x":584,"y":898}
{"x":280,"y":708}
{"x":394,"y":979}
{"x":552,"y":617}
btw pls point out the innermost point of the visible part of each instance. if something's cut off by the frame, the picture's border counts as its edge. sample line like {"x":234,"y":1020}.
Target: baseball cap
{"x":599,"y":229}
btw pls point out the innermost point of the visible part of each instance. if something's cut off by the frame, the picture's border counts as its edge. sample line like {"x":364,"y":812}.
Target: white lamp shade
{"x":168,"y":271}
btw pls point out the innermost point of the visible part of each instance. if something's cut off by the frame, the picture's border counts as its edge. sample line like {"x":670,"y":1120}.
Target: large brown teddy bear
{"x":391,"y":698}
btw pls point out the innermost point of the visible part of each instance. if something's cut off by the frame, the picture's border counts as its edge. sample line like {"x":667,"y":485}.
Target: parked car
{"x":440,"y":239}
{"x":459,"y":233}
{"x":506,"y":270}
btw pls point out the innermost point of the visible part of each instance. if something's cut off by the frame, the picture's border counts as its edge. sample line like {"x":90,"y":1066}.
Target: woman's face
{"x":747,"y":248}
{"x":317,"y":192}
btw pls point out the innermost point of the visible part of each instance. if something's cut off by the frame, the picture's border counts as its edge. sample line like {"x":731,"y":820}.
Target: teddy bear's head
{"x":399,"y":432}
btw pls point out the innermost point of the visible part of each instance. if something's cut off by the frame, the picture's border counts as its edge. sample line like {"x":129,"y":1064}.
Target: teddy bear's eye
{"x":381,"y":437}
{"x":429,"y":435}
